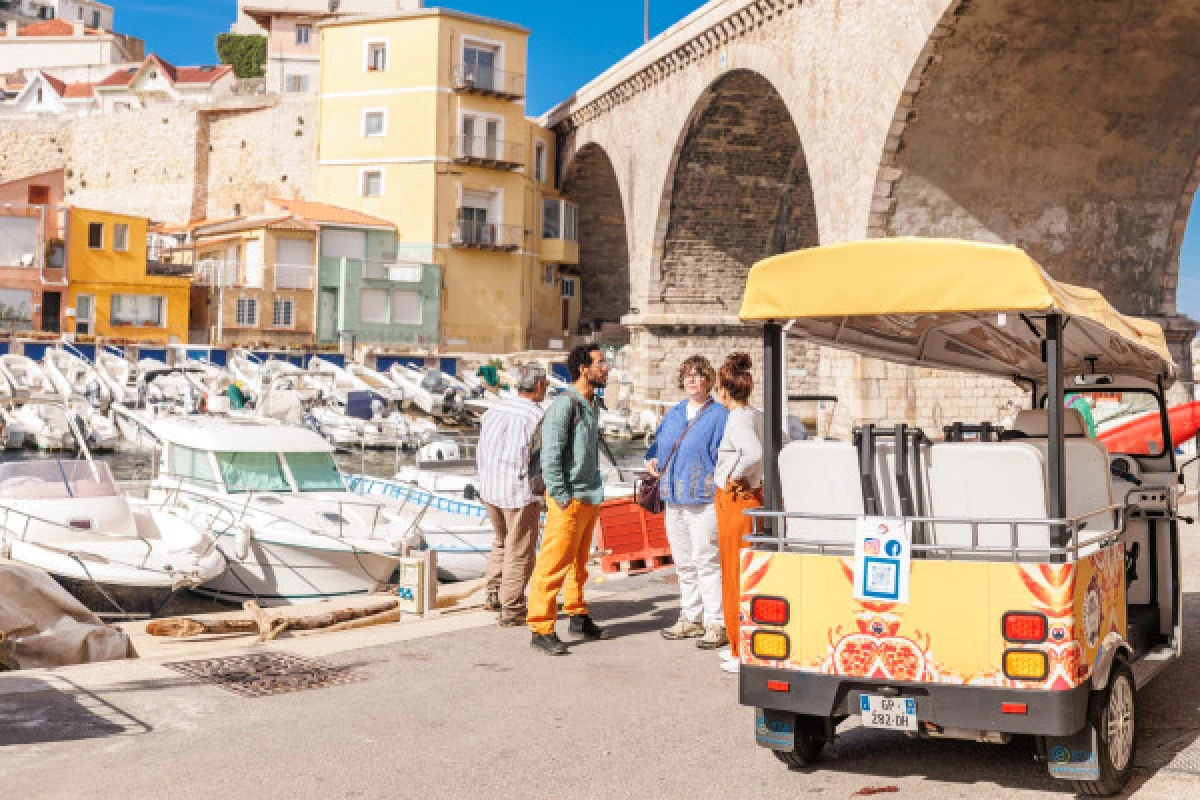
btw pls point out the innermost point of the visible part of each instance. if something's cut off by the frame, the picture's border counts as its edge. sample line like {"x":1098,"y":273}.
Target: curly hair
{"x":697,"y":364}
{"x":735,"y":376}
{"x":580,"y":358}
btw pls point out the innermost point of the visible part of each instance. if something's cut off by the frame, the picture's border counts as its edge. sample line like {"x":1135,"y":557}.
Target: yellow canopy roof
{"x":949,"y":304}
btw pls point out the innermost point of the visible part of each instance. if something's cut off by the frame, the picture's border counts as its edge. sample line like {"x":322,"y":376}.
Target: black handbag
{"x":646,"y":489}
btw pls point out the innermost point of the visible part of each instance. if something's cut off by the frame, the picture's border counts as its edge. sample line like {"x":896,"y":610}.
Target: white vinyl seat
{"x":1089,"y":481}
{"x":820,"y":477}
{"x":987,"y":480}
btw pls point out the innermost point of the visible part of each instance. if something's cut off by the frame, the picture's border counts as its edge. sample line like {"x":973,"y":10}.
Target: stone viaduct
{"x":1070,"y":128}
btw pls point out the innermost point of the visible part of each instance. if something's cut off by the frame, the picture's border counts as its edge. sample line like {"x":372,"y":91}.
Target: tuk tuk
{"x":976,"y":582}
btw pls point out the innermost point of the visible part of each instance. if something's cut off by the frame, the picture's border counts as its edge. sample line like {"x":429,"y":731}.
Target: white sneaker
{"x":726,"y":654}
{"x":714,"y":638}
{"x":731,"y":666}
{"x":683,"y":629}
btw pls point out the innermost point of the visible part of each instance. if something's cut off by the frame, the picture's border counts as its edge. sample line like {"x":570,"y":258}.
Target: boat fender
{"x":5,"y":550}
{"x":241,"y":542}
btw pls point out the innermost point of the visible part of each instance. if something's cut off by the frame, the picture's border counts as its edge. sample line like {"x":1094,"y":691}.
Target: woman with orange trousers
{"x":739,"y":477}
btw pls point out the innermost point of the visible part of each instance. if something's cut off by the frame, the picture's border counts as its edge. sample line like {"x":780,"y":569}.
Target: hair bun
{"x":739,"y":362}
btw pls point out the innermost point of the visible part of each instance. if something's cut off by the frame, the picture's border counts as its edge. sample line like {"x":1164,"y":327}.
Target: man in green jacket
{"x":574,"y":490}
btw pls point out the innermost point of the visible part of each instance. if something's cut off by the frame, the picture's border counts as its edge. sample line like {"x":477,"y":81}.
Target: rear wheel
{"x":1113,"y":713}
{"x":810,"y":741}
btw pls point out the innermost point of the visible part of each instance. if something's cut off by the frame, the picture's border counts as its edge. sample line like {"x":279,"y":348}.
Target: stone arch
{"x":738,"y":190}
{"x":591,"y":182}
{"x":1069,"y":129}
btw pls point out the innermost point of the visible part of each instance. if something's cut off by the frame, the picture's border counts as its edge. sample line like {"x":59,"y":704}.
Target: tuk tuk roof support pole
{"x":774,"y":398}
{"x":1056,"y":486}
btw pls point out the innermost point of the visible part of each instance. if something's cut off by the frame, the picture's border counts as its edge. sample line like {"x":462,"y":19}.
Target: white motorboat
{"x":12,"y":431}
{"x":45,"y":425}
{"x":26,"y":380}
{"x":377,"y":382}
{"x":119,"y":376}
{"x":429,"y":391}
{"x":116,"y":555}
{"x":75,"y":378}
{"x":279,"y":507}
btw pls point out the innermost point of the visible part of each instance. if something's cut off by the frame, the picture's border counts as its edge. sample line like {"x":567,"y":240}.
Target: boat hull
{"x":115,"y":599}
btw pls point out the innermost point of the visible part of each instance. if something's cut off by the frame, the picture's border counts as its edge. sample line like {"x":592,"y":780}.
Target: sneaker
{"x":731,"y":666}
{"x":492,"y":601}
{"x":548,"y":643}
{"x":683,"y":629}
{"x":585,"y":626}
{"x":714,"y":637}
{"x":510,"y":622}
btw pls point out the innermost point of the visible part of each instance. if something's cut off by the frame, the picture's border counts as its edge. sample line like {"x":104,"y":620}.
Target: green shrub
{"x":247,"y":53}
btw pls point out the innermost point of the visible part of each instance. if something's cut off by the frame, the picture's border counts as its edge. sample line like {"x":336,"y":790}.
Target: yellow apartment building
{"x":116,"y":287}
{"x":422,"y":123}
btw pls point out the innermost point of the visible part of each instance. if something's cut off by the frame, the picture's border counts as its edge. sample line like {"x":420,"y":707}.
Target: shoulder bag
{"x":646,"y":490}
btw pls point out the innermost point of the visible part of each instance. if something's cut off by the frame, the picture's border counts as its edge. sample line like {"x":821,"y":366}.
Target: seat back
{"x":1089,"y":482}
{"x":820,"y":477}
{"x":987,"y":480}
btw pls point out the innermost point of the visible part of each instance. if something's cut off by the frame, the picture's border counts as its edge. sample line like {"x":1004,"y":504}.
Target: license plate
{"x":892,"y":713}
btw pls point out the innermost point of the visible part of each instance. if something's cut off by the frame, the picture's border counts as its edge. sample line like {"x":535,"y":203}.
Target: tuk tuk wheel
{"x":810,"y":741}
{"x":1113,"y":712}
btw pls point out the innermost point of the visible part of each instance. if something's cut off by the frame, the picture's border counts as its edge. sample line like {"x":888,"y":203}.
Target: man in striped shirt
{"x":503,"y":457}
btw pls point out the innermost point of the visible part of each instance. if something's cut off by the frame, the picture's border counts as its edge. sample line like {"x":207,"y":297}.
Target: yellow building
{"x":422,"y":123}
{"x":115,"y":290}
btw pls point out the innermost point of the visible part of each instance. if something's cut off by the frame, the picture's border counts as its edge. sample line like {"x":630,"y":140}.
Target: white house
{"x":89,"y":12}
{"x":44,"y":94}
{"x":57,"y":44}
{"x":158,"y":82}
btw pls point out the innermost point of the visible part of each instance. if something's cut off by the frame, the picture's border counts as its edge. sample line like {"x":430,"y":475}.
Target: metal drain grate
{"x":266,"y":674}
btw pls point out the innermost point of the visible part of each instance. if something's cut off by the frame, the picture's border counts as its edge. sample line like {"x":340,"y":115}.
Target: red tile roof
{"x":53,"y":27}
{"x":329,"y":215}
{"x":176,"y":75}
{"x":79,"y":91}
{"x":59,"y":86}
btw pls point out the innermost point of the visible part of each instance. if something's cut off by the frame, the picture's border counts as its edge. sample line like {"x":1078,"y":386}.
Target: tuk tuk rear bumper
{"x":1048,"y":713}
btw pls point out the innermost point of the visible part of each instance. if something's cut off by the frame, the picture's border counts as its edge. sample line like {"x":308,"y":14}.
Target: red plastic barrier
{"x":628,"y":535}
{"x":1132,"y":436}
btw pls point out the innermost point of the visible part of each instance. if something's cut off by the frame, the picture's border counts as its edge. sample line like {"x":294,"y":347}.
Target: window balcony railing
{"x":393,"y":271}
{"x":489,"y":81}
{"x":488,"y":152}
{"x":170,"y":261}
{"x":486,"y":235}
{"x":229,"y":274}
{"x":294,"y":276}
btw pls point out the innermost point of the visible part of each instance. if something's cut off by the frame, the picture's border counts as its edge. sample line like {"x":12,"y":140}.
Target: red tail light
{"x":769,"y":610}
{"x":1024,"y":626}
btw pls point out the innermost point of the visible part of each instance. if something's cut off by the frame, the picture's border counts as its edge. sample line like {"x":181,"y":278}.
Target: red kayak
{"x":1133,"y":436}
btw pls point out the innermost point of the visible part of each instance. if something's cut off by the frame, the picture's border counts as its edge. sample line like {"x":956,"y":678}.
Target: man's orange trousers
{"x":561,"y":564}
{"x":732,"y":526}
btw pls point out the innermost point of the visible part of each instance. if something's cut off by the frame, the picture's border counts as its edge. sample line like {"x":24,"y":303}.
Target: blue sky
{"x":570,"y":43}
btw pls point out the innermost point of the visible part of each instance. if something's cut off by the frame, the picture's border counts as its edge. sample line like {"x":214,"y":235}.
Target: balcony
{"x":475,"y":235}
{"x":21,"y":236}
{"x":489,"y":82}
{"x":175,"y":262}
{"x":294,"y":276}
{"x":481,"y":151}
{"x":391,"y":271}
{"x":224,"y":274}
{"x":560,"y":232}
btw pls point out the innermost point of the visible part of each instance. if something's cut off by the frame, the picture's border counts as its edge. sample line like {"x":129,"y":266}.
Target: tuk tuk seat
{"x":1089,"y":481}
{"x":821,"y":477}
{"x":988,"y":480}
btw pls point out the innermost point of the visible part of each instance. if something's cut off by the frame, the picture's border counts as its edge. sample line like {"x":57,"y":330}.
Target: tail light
{"x":1025,"y":665}
{"x":770,"y":645}
{"x":1025,"y":626}
{"x":769,"y":610}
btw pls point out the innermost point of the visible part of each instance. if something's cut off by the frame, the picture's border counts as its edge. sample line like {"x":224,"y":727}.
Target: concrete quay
{"x":454,"y":706}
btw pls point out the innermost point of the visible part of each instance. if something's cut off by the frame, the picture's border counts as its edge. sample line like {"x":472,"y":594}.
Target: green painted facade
{"x":340,"y":286}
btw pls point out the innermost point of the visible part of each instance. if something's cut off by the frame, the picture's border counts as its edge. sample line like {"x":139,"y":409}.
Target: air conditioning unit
{"x":26,"y":259}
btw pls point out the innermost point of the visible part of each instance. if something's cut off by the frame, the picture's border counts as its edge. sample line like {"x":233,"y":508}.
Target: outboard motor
{"x":93,"y":393}
{"x":313,"y":424}
{"x":453,"y":402}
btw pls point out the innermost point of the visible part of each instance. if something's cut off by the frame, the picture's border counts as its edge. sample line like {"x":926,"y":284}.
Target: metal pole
{"x":1055,"y":466}
{"x":646,"y":23}
{"x":773,"y":376}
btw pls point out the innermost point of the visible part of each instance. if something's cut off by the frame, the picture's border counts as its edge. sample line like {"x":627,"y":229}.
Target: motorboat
{"x":12,"y":431}
{"x":288,"y":526}
{"x":116,"y":555}
{"x":429,"y":391}
{"x":46,"y":425}
{"x":377,"y":382}
{"x":75,"y":378}
{"x":26,"y":380}
{"x":119,"y":376}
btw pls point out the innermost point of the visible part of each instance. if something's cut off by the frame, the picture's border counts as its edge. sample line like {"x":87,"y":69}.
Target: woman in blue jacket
{"x":688,"y":488}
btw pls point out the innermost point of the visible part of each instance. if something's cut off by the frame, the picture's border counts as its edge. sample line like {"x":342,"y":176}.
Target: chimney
{"x":10,"y":28}
{"x":77,"y":28}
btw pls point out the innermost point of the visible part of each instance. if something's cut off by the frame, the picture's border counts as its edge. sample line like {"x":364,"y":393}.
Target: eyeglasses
{"x":695,"y":376}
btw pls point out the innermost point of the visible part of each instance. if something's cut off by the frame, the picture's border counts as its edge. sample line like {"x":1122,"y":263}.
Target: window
{"x":481,"y":137}
{"x":39,"y":95}
{"x":304,"y":35}
{"x":85,"y":309}
{"x":121,"y":237}
{"x":551,"y":219}
{"x":479,"y":66}
{"x":96,"y":19}
{"x":296,"y":84}
{"x":372,"y":183}
{"x":373,"y":306}
{"x":191,"y":465}
{"x":568,"y":288}
{"x":315,"y":472}
{"x":282,"y":317}
{"x":95,"y":235}
{"x":539,"y":161}
{"x":377,"y":56}
{"x":570,"y":222}
{"x":374,"y":123}
{"x":549,"y":276}
{"x":138,"y":309}
{"x":20,"y":241}
{"x":473,"y":225}
{"x":252,"y":472}
{"x":406,"y":308}
{"x":247,"y":311}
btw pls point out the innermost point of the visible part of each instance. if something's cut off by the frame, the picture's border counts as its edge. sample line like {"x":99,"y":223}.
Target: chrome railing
{"x":473,"y":233}
{"x":294,"y":276}
{"x":230,"y":274}
{"x":489,"y":80}
{"x":487,"y":149}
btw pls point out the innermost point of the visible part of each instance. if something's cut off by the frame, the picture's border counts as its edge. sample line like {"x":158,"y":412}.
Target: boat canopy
{"x":950,"y":304}
{"x":237,"y":436}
